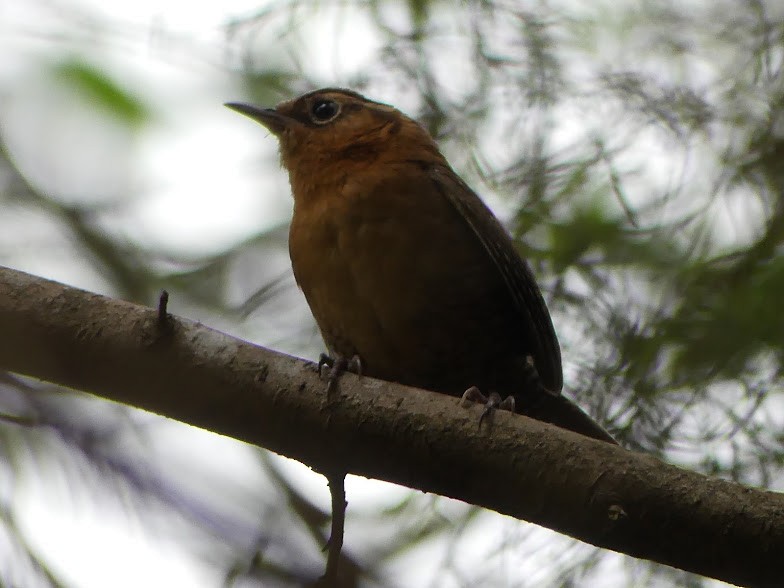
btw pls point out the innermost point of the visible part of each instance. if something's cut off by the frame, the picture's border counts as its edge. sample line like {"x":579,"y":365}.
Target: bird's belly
{"x":387,"y":288}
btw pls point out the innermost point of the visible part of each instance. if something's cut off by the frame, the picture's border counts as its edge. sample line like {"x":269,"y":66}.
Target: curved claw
{"x":324,"y":360}
{"x":355,"y":365}
{"x":337,"y":365}
{"x":473,"y":394}
{"x":491,"y":402}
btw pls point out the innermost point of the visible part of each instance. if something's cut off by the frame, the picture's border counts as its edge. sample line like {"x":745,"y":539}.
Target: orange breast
{"x":393,"y":274}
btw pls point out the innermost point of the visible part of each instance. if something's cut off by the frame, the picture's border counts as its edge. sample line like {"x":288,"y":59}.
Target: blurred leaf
{"x":103,"y":91}
{"x":419,"y":10}
{"x":588,"y":228}
{"x":269,"y":86}
{"x":722,"y":324}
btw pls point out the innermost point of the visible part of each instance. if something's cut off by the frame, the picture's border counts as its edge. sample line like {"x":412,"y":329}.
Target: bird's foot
{"x":335,"y":368}
{"x":491,"y":402}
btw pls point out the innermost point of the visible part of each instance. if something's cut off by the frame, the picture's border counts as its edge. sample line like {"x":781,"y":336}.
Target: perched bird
{"x":404,"y":267}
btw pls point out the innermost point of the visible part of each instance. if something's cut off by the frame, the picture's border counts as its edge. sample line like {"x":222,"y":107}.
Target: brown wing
{"x":535,"y":324}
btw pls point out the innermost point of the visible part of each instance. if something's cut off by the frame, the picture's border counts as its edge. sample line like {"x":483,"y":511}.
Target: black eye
{"x":324,"y":111}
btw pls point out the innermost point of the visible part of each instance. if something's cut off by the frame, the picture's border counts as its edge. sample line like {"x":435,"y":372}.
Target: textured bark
{"x":601,"y":494}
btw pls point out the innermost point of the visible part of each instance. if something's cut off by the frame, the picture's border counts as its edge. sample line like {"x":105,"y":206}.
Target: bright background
{"x":632,"y":149}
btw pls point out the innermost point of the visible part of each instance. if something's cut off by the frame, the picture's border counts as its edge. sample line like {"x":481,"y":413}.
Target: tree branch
{"x":590,"y":490}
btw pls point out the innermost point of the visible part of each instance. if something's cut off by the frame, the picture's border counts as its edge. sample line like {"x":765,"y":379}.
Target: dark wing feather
{"x":535,"y":323}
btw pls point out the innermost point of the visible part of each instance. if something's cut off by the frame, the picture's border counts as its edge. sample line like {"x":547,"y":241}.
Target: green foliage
{"x":587,"y":229}
{"x":103,"y":92}
{"x":726,"y":319}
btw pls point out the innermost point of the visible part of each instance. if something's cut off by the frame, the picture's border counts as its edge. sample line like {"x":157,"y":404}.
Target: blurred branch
{"x":34,"y":559}
{"x":598,"y":493}
{"x":116,"y":261}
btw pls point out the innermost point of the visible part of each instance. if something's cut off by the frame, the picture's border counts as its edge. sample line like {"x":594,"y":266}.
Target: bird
{"x":410,"y":276}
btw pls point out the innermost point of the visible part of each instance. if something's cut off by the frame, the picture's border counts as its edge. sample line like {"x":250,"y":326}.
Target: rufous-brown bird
{"x":404,"y":266}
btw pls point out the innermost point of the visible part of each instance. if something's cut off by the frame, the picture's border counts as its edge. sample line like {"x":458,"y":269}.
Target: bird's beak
{"x":269,"y":117}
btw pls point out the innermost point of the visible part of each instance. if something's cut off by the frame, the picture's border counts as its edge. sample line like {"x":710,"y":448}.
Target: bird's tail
{"x":562,"y":412}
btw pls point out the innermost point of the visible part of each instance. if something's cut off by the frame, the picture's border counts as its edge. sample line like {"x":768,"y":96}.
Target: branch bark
{"x":601,"y":494}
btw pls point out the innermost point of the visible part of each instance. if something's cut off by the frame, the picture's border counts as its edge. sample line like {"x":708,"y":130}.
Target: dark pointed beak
{"x":269,"y":117}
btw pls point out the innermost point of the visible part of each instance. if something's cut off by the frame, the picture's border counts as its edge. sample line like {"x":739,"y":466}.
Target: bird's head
{"x":331,"y":130}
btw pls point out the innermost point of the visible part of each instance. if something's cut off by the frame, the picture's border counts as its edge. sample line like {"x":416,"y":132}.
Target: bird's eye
{"x":324,"y":111}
